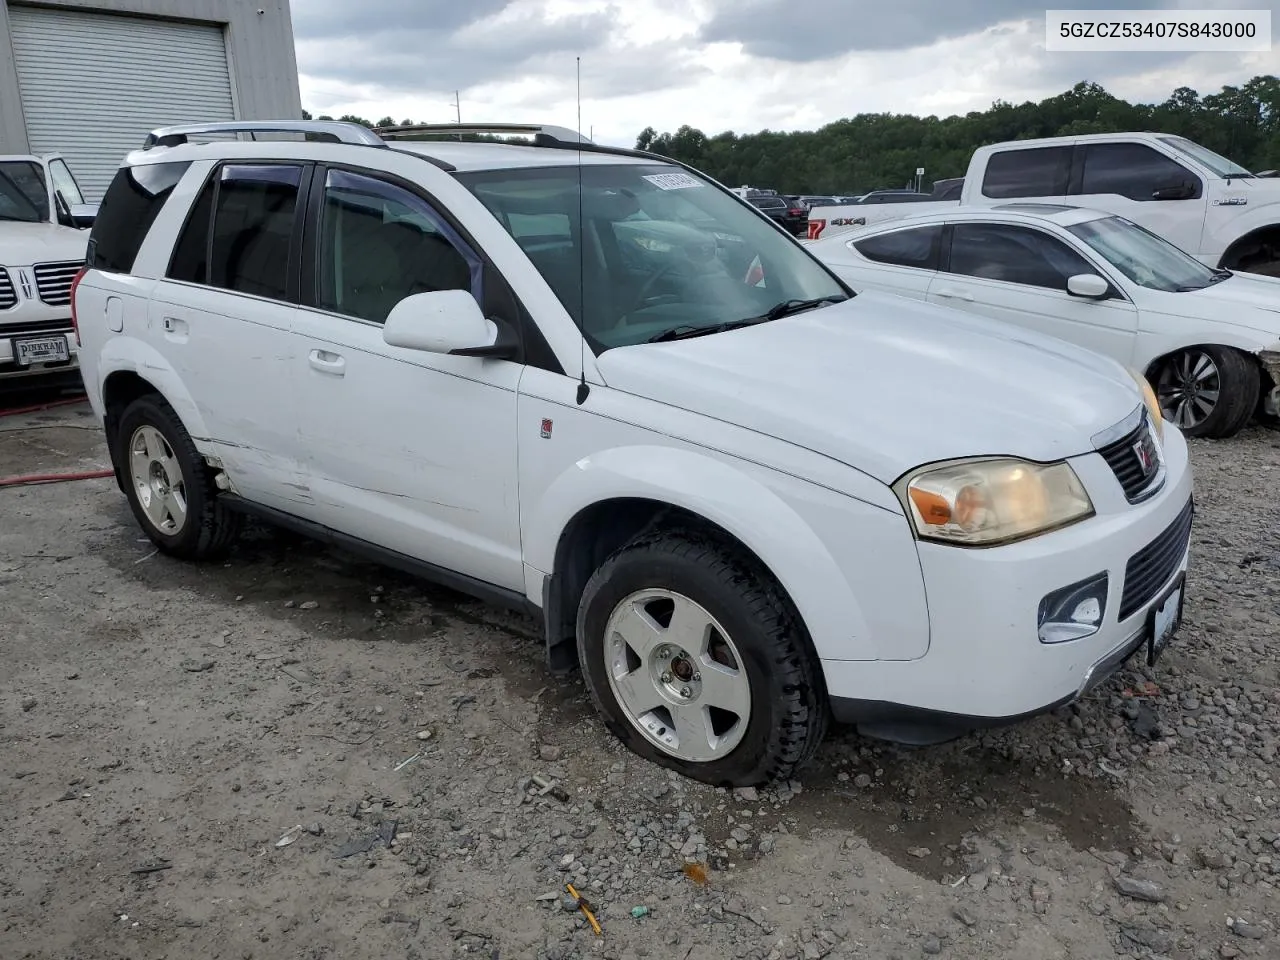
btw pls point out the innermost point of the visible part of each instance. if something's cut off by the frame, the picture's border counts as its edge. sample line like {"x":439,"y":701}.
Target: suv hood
{"x":22,"y":244}
{"x":885,"y":384}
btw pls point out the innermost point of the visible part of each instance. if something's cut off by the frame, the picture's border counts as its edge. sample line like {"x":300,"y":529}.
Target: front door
{"x":1145,"y":186}
{"x":411,"y":450}
{"x":1018,"y":274}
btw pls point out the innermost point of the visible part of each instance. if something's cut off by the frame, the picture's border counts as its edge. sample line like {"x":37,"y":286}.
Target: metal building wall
{"x":263,"y":65}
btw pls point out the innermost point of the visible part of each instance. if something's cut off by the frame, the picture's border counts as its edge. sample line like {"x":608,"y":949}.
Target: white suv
{"x":42,"y":245}
{"x":595,"y":385}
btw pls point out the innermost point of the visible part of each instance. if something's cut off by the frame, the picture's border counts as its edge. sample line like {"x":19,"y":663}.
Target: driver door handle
{"x":953,"y":294}
{"x":326,"y":362}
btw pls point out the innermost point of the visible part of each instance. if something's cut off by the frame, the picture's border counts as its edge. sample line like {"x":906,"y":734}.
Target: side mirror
{"x":83,"y":215}
{"x":1180,"y":191}
{"x":1088,"y":285}
{"x":446,"y":321}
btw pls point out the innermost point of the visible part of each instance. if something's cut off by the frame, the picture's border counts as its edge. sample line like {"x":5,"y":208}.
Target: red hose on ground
{"x":36,"y":408}
{"x":36,"y":478}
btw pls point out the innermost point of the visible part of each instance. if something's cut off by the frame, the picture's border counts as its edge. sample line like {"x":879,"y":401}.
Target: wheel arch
{"x":600,"y":504}
{"x":1262,"y":240}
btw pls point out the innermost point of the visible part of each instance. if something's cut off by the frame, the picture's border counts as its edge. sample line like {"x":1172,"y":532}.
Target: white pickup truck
{"x":1214,"y":209}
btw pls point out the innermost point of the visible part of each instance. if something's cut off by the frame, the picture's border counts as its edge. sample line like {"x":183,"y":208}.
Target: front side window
{"x":1033,"y":172}
{"x":65,"y":183}
{"x":1014,"y":254}
{"x":917,"y":247}
{"x":128,"y":209}
{"x":654,"y":252}
{"x":380,"y":243}
{"x":23,"y":194}
{"x":1132,"y":170}
{"x":1143,"y":257}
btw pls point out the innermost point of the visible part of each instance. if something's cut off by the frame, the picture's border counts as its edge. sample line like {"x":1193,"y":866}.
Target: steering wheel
{"x":649,"y":283}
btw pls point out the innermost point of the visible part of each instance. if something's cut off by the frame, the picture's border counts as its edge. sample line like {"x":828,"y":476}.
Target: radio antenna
{"x":583,"y":389}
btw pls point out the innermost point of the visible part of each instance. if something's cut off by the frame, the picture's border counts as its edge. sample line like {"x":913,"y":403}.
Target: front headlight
{"x":990,"y":502}
{"x":1152,"y":402}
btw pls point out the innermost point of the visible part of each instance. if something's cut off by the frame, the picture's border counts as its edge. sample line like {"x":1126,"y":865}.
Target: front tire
{"x":168,"y":485}
{"x":1208,"y":392}
{"x":696,"y":661}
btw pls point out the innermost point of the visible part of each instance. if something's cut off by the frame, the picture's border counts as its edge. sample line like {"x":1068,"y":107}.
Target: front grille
{"x":1151,"y":567}
{"x":7,"y":297}
{"x":1139,"y":479}
{"x":34,"y":328}
{"x":53,"y":280}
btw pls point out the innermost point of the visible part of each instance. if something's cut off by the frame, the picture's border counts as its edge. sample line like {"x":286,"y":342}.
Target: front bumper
{"x":32,"y":319}
{"x":986,"y":664}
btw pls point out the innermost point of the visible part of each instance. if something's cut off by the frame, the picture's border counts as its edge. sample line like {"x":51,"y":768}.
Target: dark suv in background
{"x":793,"y":215}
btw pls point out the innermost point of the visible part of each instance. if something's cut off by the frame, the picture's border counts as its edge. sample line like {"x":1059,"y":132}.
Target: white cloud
{"x":647,"y":62}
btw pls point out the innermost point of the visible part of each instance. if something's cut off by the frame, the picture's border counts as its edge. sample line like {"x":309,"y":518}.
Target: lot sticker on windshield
{"x":673,"y":181}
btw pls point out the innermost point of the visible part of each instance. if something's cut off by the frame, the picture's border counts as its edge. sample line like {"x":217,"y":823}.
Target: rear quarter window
{"x":130,"y":206}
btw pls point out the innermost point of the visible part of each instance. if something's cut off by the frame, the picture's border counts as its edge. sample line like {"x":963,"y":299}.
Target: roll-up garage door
{"x":94,"y":84}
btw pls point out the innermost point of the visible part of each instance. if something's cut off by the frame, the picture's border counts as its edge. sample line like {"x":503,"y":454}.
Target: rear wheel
{"x":168,"y":485}
{"x":696,"y":661}
{"x":1207,"y":392}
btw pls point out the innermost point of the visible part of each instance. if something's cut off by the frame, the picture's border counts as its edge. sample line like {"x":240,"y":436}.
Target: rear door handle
{"x":326,"y":362}
{"x":951,"y":294}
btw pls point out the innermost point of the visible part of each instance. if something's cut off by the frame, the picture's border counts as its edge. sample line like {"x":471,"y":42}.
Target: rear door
{"x":223,"y":315}
{"x":1018,"y":274}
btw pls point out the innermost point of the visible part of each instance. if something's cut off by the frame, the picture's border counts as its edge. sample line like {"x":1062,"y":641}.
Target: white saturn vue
{"x":594,"y":385}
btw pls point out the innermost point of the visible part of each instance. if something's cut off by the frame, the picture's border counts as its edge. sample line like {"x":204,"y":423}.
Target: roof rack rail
{"x":337,"y":130}
{"x":543,"y":134}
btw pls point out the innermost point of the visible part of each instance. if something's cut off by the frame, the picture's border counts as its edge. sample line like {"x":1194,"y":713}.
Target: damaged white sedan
{"x":1208,"y":340}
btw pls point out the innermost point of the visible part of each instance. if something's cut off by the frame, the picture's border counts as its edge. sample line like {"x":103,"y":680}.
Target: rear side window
{"x":239,"y":233}
{"x":131,"y":205}
{"x":1035,"y":172}
{"x":917,"y":247}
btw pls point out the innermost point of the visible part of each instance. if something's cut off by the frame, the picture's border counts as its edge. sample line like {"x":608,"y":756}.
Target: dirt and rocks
{"x":298,"y":755}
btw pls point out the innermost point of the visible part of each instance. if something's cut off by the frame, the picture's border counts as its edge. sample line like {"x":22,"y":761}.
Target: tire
{"x":157,"y":457}
{"x":1232,"y":378}
{"x":786,"y":713}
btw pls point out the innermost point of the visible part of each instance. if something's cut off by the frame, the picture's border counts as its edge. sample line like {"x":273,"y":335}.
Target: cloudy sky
{"x":740,"y":65}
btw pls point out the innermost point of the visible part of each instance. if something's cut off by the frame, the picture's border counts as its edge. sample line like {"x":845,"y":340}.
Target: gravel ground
{"x":295,"y":754}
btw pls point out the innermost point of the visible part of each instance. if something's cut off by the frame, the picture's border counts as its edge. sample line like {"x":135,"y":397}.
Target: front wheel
{"x":1207,"y":392}
{"x":696,"y":661}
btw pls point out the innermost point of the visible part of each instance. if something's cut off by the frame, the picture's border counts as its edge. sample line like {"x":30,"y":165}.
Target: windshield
{"x":23,"y":195}
{"x":665,"y":251}
{"x":1219,"y":165}
{"x":1143,"y":257}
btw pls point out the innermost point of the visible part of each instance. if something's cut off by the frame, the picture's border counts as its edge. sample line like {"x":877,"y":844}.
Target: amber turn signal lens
{"x":933,"y":507}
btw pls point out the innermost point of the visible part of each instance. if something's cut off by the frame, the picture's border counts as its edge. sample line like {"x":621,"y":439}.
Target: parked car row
{"x":742,"y":496}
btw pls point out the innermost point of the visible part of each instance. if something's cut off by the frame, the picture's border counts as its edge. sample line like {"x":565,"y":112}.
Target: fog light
{"x":1074,"y":612}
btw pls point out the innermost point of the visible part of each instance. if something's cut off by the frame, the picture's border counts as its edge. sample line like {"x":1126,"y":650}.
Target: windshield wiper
{"x":687,"y":331}
{"x":1220,"y":275}
{"x":788,"y":307}
{"x":776,"y":312}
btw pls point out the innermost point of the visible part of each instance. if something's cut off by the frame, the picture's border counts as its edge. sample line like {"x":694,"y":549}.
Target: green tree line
{"x":878,"y":150}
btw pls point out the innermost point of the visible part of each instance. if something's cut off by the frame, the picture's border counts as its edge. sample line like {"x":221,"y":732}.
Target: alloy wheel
{"x":677,"y":675}
{"x":1188,"y":386}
